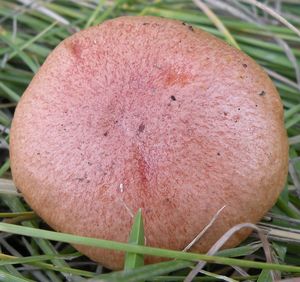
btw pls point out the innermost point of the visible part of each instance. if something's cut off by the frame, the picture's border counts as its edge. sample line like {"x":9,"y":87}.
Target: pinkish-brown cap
{"x":145,"y":112}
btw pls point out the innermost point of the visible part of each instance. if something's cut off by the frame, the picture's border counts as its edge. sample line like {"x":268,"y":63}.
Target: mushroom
{"x":146,"y":112}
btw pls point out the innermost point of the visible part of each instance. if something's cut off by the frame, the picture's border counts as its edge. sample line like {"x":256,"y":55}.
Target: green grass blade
{"x":15,"y":214}
{"x":5,"y":167}
{"x":144,"y":272}
{"x":94,"y":14}
{"x":265,"y":276}
{"x":6,"y":277}
{"x":133,"y":260}
{"x":11,"y":270}
{"x":288,"y":114}
{"x":16,"y":205}
{"x":26,"y":59}
{"x":9,"y":260}
{"x":293,"y":121}
{"x":33,"y":39}
{"x":287,"y":209}
{"x":13,"y":96}
{"x":240,"y":251}
{"x":125,"y":247}
{"x":177,"y":278}
{"x":108,"y":11}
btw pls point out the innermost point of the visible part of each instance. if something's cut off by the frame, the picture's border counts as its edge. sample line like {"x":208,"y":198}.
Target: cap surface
{"x":145,"y":112}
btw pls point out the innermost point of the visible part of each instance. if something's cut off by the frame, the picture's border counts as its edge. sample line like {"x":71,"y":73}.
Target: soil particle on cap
{"x":191,"y":28}
{"x":145,"y":23}
{"x":262,"y":93}
{"x":225,"y":114}
{"x":80,"y":179}
{"x":218,"y":154}
{"x":183,"y":23}
{"x":105,"y":133}
{"x":173,"y":98}
{"x":141,"y":127}
{"x":155,"y":24}
{"x":245,"y":65}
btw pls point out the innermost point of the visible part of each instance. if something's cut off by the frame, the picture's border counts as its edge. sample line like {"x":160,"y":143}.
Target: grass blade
{"x":6,"y":277}
{"x":133,"y":260}
{"x":125,"y":247}
{"x":143,"y":273}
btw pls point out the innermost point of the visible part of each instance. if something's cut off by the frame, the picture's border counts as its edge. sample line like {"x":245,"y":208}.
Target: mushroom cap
{"x":146,"y":112}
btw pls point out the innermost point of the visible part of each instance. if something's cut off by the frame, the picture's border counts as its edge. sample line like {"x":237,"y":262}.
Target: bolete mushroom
{"x":146,"y":112}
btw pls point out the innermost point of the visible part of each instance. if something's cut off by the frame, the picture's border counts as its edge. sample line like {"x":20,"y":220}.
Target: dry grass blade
{"x":282,"y":78}
{"x":289,"y":53}
{"x":217,"y":22}
{"x":281,"y":233}
{"x":38,"y":6}
{"x":257,"y":20}
{"x":231,"y":9}
{"x":224,"y":239}
{"x":197,"y":238}
{"x":221,"y":277}
{"x":274,"y":14}
{"x":295,"y":177}
{"x":30,"y":29}
{"x":7,"y":187}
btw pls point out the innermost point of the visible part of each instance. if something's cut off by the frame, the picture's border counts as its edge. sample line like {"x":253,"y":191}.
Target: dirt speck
{"x":245,"y":66}
{"x":262,"y":93}
{"x":141,"y":127}
{"x":173,"y":98}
